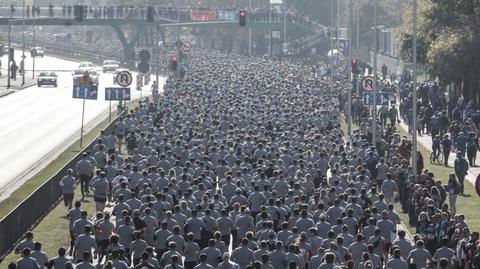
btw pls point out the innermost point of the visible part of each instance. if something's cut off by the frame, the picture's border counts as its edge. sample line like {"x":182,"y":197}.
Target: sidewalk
{"x":15,"y":85}
{"x":426,"y":141}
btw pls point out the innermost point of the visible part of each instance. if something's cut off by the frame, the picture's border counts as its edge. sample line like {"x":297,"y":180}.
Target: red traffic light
{"x":243,"y":13}
{"x":354,"y":61}
{"x":174,"y":58}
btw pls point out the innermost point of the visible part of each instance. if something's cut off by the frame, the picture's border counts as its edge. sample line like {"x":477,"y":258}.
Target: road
{"x":37,"y":124}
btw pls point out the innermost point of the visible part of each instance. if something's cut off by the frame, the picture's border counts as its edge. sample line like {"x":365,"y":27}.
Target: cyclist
{"x":436,"y":147}
{"x":154,"y":86}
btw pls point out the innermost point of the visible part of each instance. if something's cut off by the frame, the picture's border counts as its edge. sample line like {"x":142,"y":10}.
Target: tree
{"x":448,"y":41}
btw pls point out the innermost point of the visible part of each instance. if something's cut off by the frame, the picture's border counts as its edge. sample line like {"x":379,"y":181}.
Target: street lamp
{"x":350,"y":47}
{"x":375,"y":90}
{"x":414,"y":90}
{"x":22,"y":63}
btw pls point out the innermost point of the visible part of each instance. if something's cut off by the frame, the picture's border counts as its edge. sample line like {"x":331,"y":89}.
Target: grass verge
{"x":465,"y":204}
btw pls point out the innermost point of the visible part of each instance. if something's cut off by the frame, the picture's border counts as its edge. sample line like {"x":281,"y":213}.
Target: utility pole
{"x":337,"y":45}
{"x":179,"y":52}
{"x":332,"y":27}
{"x":375,"y":90}
{"x":22,"y":63}
{"x":9,"y":58}
{"x":284,"y":21}
{"x":350,"y":48}
{"x":414,"y":90}
{"x":157,"y":54}
{"x":33,"y":42}
{"x":270,"y":29}
{"x":249,"y":30}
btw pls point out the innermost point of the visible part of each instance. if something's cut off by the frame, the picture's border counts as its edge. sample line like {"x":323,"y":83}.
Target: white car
{"x":110,"y":65}
{"x":47,"y":78}
{"x":86,"y":65}
{"x":80,"y":73}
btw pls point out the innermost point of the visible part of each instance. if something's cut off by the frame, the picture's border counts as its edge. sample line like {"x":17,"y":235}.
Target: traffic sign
{"x":368,"y":83}
{"x":382,"y":98}
{"x":143,"y":67}
{"x":186,"y":47}
{"x":124,"y":78}
{"x":85,"y":92}
{"x":117,"y":94}
{"x":284,"y":47}
{"x":144,"y":55}
{"x":184,"y":67}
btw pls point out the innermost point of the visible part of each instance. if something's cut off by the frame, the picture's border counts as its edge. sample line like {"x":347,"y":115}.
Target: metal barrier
{"x":36,"y":206}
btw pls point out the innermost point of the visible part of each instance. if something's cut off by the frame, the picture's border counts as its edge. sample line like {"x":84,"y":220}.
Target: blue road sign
{"x":184,"y":67}
{"x":85,"y":92}
{"x":117,"y":94}
{"x":382,"y":98}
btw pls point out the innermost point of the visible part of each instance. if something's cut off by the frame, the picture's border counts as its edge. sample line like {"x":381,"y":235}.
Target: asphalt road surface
{"x":37,"y":124}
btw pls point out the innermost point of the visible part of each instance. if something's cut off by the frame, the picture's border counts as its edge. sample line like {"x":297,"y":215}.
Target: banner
{"x":227,"y":15}
{"x":203,"y":15}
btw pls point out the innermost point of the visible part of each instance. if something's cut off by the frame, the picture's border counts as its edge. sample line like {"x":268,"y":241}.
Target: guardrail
{"x":36,"y":206}
{"x":73,"y":53}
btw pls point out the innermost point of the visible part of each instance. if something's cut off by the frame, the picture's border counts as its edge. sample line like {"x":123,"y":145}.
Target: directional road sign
{"x":184,"y":67}
{"x":368,"y":84}
{"x":117,"y":94}
{"x":382,"y":98}
{"x":85,"y":92}
{"x":124,"y":78}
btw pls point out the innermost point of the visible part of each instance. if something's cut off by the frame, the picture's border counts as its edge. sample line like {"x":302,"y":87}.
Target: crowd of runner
{"x":244,"y":165}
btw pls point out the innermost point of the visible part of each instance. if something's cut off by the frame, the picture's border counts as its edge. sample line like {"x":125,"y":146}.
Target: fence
{"x":36,"y":206}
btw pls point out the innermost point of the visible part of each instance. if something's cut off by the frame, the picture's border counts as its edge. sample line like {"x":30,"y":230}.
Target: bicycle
{"x":436,"y":158}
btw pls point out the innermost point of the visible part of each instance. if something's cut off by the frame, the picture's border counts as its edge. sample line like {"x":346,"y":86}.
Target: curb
{"x":10,"y":91}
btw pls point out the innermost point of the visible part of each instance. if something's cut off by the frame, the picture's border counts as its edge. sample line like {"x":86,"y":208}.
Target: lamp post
{"x":284,"y":21}
{"x":34,"y":41}
{"x":414,"y":90}
{"x":331,"y":43}
{"x":22,"y":63}
{"x":375,"y":90}
{"x":350,"y":47}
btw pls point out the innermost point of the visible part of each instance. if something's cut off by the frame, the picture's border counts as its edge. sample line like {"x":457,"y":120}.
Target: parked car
{"x":47,"y":78}
{"x":110,"y":65}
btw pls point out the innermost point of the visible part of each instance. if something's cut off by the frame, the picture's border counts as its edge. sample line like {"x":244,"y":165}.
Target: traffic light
{"x":242,"y":18}
{"x":144,"y":65}
{"x":150,"y":14}
{"x":355,"y":69}
{"x":174,"y":63}
{"x":50,"y":10}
